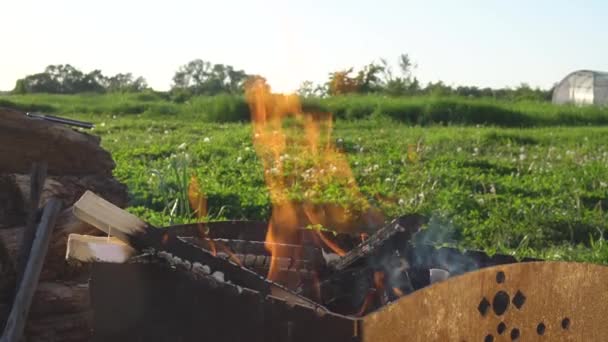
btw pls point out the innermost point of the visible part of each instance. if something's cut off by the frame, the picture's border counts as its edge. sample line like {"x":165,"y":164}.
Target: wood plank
{"x":107,"y":217}
{"x":19,"y":312}
{"x":87,"y":248}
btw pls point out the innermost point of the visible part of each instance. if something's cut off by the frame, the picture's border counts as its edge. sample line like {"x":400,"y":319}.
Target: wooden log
{"x":12,"y":207}
{"x":71,"y":188}
{"x":20,"y":309}
{"x":86,"y":248}
{"x":37,"y":177}
{"x":24,"y":140}
{"x":107,"y":217}
{"x":60,"y":311}
{"x":55,"y":266}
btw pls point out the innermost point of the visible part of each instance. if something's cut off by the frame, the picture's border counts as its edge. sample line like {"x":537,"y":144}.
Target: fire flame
{"x":198,"y":201}
{"x":300,"y":162}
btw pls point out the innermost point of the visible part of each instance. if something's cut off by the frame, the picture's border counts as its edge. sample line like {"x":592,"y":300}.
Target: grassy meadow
{"x":512,"y":177}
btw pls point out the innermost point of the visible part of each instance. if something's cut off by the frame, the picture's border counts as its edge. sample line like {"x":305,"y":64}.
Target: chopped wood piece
{"x":88,"y":248}
{"x":107,"y":217}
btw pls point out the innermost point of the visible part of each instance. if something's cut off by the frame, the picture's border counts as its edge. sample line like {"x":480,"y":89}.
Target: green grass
{"x":419,"y":110}
{"x":539,"y":191}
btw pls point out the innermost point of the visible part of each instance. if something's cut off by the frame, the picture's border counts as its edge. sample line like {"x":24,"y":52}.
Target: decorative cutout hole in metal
{"x":500,"y":277}
{"x":519,"y":299}
{"x":515,"y":334}
{"x":489,"y":338}
{"x":501,"y":328}
{"x":566,"y":323}
{"x":500,"y":304}
{"x":540,"y":328}
{"x":483,"y":306}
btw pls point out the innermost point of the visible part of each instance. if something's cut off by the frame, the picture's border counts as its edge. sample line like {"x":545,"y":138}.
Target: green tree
{"x":201,"y":77}
{"x":125,"y":83}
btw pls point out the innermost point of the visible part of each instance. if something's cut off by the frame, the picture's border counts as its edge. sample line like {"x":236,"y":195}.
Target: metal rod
{"x":65,"y":121}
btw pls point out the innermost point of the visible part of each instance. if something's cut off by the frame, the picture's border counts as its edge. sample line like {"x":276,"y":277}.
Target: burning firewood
{"x":141,"y":235}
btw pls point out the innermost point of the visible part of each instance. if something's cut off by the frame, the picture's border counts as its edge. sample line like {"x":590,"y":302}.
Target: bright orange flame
{"x":300,"y":161}
{"x":198,"y":201}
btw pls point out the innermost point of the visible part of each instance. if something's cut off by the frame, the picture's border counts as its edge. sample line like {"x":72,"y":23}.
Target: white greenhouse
{"x":583,"y":87}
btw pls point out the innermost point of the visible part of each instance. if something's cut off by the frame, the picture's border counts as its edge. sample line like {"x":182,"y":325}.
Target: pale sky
{"x":482,"y":43}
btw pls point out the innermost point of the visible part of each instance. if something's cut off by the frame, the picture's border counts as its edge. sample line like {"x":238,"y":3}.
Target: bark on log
{"x":28,"y":283}
{"x":60,"y":309}
{"x":12,"y":207}
{"x":60,"y":312}
{"x":55,"y":267}
{"x":24,"y":140}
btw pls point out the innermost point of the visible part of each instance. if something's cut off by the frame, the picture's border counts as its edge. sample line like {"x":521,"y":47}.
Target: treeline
{"x":66,"y":79}
{"x":200,"y":77}
{"x":383,"y":79}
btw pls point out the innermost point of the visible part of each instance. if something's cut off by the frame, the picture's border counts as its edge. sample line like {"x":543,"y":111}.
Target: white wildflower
{"x":603,"y":184}
{"x":459,"y":149}
{"x":166,"y":132}
{"x":239,"y":159}
{"x":375,"y":167}
{"x":522,"y":156}
{"x":401,"y":201}
{"x":388,"y":179}
{"x":182,"y":146}
{"x":103,"y":124}
{"x":207,"y":139}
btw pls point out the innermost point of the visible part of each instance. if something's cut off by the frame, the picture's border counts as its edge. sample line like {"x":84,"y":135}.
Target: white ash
{"x":330,"y":258}
{"x":219,"y":276}
{"x":200,"y":268}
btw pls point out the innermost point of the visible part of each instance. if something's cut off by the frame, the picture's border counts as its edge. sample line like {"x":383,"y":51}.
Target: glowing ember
{"x":301,"y":164}
{"x":397,"y":291}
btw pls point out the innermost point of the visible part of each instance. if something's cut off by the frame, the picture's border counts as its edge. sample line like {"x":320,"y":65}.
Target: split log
{"x":24,"y":140}
{"x":86,"y":248}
